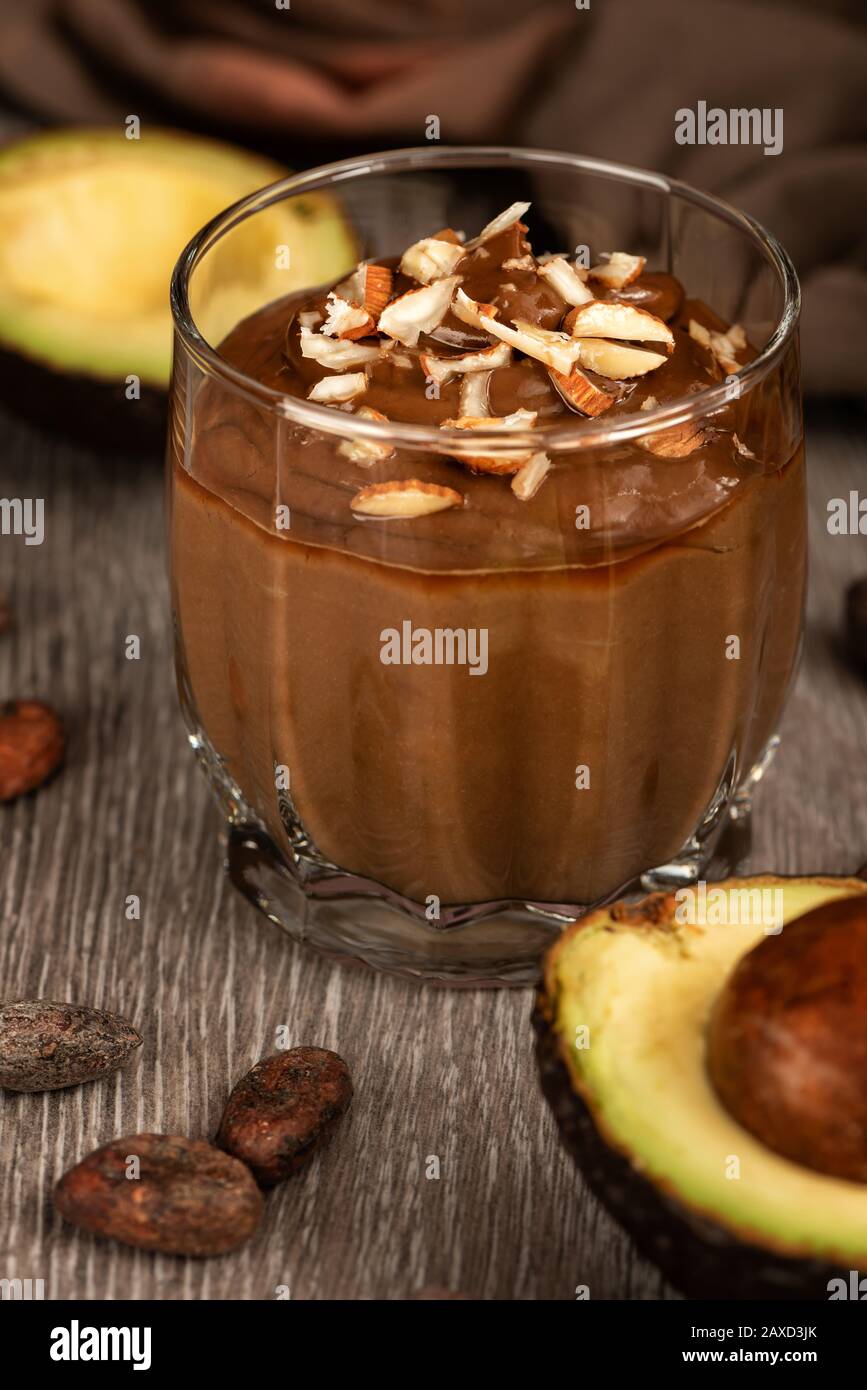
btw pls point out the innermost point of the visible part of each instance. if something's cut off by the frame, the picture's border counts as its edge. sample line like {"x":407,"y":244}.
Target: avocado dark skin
{"x":699,"y":1259}
{"x":85,"y":409}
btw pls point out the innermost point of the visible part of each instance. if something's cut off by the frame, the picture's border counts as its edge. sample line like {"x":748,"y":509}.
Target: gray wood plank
{"x":208,"y":980}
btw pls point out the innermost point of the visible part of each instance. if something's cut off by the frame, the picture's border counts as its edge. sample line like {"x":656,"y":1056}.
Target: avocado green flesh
{"x":645,"y":994}
{"x":91,"y":225}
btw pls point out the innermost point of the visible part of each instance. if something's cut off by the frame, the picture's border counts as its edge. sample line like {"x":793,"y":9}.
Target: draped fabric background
{"x":324,"y":78}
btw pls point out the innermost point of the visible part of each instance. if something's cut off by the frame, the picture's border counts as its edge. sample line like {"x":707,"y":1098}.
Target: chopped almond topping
{"x":548,"y":256}
{"x":369,"y":286}
{"x":501,"y":223}
{"x":519,"y":263}
{"x":615,"y":360}
{"x":309,"y":318}
{"x":725,"y":345}
{"x":344,"y":387}
{"x":742,"y":448}
{"x":449,"y":234}
{"x":674,"y":443}
{"x":618,"y":270}
{"x":366,"y":451}
{"x":563,"y":278}
{"x":736,"y":336}
{"x":335,"y":352}
{"x":418,"y":311}
{"x":649,"y":403}
{"x":470,"y":310}
{"x":721,"y":346}
{"x":530,"y":476}
{"x":376,"y":288}
{"x":599,"y":319}
{"x":345,"y":320}
{"x":515,"y":421}
{"x":404,"y":499}
{"x":474,"y":393}
{"x":504,"y":461}
{"x":443,"y":369}
{"x":429,"y":259}
{"x":556,"y":350}
{"x":579,"y":392}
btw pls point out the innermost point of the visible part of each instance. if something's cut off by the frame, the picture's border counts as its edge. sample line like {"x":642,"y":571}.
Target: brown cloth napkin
{"x":333,"y":76}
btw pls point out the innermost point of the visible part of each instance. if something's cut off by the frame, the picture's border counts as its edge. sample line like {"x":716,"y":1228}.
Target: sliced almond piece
{"x":555,"y":349}
{"x":449,"y":234}
{"x":444,"y":369}
{"x":517,"y":420}
{"x":368,"y":285}
{"x":736,"y":336}
{"x":505,"y":461}
{"x":674,"y":443}
{"x":336,"y":353}
{"x":615,"y":360}
{"x":343,"y":387}
{"x":530,"y":476}
{"x":599,"y":319}
{"x":309,"y":318}
{"x":470,"y":310}
{"x":366,"y":451}
{"x":500,"y":223}
{"x":474,"y":394}
{"x":376,"y":288}
{"x":562,"y":278}
{"x":742,"y":448}
{"x":418,"y":311}
{"x":352,"y":288}
{"x":721,"y":346}
{"x":346,"y":320}
{"x":548,"y":256}
{"x":725,"y":345}
{"x":579,"y":392}
{"x":431,"y":259}
{"x":404,"y":499}
{"x":618,"y":270}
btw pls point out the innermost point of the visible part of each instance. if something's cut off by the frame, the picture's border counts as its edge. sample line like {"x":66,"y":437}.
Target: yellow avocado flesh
{"x":91,"y":225}
{"x":645,"y":993}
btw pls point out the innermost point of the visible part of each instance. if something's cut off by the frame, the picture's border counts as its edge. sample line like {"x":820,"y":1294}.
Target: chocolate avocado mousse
{"x":630,"y":610}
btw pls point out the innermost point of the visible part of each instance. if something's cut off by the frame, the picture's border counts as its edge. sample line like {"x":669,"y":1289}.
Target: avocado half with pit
{"x":91,"y":225}
{"x":705,"y":1058}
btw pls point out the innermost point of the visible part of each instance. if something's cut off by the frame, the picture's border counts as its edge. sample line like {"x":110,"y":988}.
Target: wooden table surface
{"x":208,"y":980}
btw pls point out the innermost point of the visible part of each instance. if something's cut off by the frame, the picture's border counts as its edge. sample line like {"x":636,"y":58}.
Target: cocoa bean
{"x":31,"y":746}
{"x":281,"y":1112}
{"x":45,"y":1045}
{"x":189,"y":1198}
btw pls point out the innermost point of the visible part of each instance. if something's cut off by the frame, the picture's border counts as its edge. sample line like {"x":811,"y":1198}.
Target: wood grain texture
{"x":207,"y":980}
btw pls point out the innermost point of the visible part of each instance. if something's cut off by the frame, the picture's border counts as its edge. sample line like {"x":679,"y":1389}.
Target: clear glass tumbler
{"x":411,"y":815}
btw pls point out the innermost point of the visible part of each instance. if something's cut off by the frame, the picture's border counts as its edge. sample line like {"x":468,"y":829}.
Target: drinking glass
{"x":433,"y":819}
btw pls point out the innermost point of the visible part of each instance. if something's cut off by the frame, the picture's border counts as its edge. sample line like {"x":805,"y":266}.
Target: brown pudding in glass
{"x":641,"y":601}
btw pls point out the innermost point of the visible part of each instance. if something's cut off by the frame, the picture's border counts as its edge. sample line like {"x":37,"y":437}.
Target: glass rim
{"x":584,"y":433}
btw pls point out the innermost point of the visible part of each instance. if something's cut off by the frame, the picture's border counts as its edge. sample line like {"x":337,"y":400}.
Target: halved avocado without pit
{"x":91,"y":225}
{"x":651,"y":1012}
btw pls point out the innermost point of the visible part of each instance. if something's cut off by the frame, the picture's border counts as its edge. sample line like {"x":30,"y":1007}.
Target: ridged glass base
{"x":493,"y":943}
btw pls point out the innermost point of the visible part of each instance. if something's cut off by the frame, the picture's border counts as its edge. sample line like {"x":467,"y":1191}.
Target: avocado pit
{"x":787,"y":1040}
